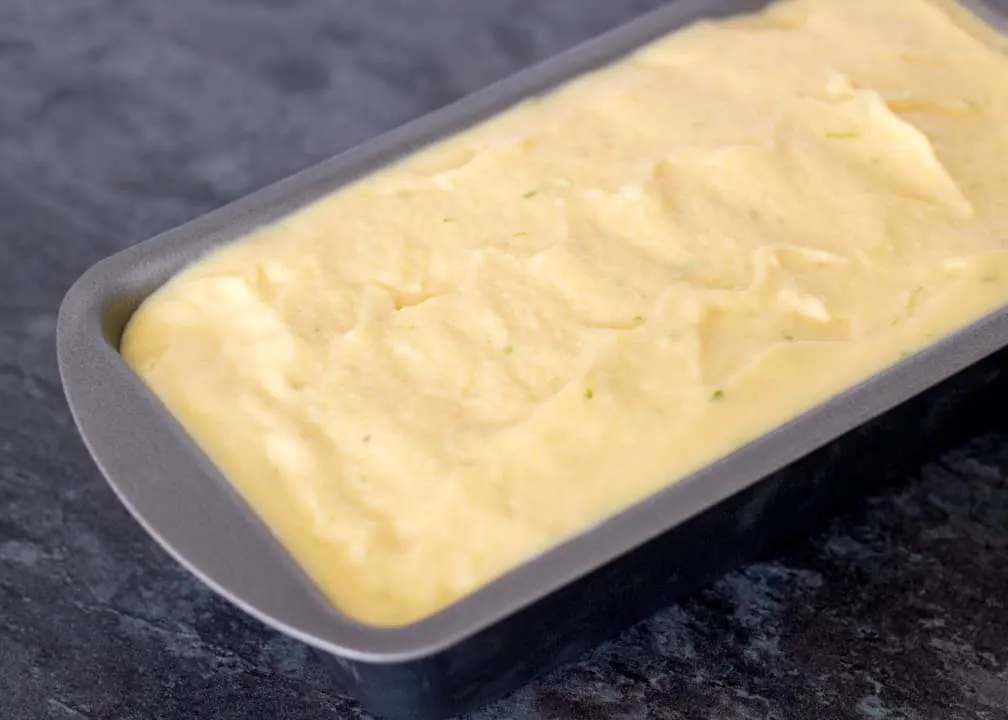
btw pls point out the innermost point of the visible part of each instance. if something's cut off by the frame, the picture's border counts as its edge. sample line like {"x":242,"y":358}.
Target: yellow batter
{"x":428,"y":377}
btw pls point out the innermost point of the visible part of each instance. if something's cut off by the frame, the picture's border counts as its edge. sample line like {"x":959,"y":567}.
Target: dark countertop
{"x":118,"y":120}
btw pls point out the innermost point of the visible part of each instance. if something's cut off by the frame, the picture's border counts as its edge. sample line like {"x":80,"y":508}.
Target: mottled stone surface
{"x":119,"y":119}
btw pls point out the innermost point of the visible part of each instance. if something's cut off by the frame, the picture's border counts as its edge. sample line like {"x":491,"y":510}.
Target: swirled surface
{"x":450,"y":366}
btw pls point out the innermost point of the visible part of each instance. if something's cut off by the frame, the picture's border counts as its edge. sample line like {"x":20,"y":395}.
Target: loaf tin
{"x":556,"y":606}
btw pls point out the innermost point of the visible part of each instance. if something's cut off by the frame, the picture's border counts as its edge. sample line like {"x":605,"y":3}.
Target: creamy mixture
{"x":433,"y":374}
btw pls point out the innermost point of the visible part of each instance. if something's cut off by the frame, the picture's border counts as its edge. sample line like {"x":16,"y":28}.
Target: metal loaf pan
{"x":554,"y":607}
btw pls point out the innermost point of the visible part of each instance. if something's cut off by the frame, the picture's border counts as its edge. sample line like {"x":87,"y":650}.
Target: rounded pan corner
{"x":79,"y":298}
{"x":170,"y":488}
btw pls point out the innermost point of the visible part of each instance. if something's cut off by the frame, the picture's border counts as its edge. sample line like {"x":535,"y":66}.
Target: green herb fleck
{"x":448,"y":220}
{"x":508,"y":349}
{"x":530,"y":194}
{"x":638,"y":318}
{"x":589,"y":394}
{"x":789,"y":337}
{"x":717,"y":395}
{"x":842,"y":135}
{"x":520,"y":233}
{"x":905,"y":354}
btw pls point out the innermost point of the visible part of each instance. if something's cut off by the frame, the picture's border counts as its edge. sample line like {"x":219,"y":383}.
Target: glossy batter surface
{"x":448,"y":367}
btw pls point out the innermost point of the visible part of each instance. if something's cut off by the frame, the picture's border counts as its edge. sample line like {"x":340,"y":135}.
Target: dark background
{"x":120,"y":119}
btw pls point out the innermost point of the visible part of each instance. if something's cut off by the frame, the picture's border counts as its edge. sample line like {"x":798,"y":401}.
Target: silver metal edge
{"x":221,"y":541}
